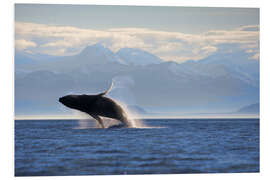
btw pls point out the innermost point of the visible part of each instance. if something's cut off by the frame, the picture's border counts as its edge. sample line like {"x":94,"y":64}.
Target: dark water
{"x":56,"y":147}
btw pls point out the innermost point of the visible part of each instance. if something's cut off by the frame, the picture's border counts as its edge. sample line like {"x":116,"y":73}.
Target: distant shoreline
{"x":142,"y":117}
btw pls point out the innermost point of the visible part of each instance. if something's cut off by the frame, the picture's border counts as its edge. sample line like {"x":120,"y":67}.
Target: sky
{"x":176,"y":19}
{"x":172,"y":33}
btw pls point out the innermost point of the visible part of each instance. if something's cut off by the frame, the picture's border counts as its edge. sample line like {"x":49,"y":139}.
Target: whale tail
{"x":108,"y":90}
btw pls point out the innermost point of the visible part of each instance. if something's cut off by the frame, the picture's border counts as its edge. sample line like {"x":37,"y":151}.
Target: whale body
{"x":96,"y":106}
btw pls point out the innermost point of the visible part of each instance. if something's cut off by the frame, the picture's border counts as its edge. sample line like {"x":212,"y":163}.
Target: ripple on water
{"x":162,"y":146}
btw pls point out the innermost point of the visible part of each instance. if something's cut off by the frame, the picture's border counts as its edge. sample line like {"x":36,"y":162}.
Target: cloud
{"x":22,"y":44}
{"x":176,"y":46}
{"x":249,"y":28}
{"x":255,"y":56}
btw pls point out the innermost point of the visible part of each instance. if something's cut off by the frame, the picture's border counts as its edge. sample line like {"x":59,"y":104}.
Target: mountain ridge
{"x":193,"y":85}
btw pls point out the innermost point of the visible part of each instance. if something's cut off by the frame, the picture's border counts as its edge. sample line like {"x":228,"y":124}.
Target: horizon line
{"x":204,"y":116}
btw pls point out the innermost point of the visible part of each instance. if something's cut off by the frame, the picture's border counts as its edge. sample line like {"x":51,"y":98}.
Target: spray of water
{"x":84,"y":121}
{"x":132,"y":117}
{"x":122,"y":94}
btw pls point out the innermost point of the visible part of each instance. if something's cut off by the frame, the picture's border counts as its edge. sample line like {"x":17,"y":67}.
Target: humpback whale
{"x":96,"y":106}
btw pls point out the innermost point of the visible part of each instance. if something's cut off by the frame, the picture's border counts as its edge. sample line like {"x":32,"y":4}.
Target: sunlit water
{"x":60,"y":147}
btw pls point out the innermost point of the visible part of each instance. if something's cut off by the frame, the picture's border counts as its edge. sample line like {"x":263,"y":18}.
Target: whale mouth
{"x":60,"y":99}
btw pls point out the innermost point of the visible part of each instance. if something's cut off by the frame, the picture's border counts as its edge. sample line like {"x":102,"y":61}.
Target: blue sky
{"x":172,"y":33}
{"x":179,"y":19}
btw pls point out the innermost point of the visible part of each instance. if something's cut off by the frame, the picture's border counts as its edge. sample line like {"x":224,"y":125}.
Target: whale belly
{"x":107,"y":107}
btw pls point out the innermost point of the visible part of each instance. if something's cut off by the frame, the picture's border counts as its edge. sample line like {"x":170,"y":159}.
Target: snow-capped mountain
{"x":134,"y":56}
{"x":250,"y":109}
{"x":220,"y":81}
{"x":99,"y":54}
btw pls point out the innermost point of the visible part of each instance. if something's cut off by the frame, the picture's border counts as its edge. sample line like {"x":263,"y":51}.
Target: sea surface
{"x":165,"y":146}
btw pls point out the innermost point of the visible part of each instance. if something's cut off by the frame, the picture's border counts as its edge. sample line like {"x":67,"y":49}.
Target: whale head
{"x":71,"y":101}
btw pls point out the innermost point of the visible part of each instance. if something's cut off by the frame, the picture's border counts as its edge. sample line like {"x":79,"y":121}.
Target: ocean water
{"x":59,"y":147}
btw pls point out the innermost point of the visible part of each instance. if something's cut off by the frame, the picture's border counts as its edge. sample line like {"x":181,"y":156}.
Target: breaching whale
{"x":96,"y":106}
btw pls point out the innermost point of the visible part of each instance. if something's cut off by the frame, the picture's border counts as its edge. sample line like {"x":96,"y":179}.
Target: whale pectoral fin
{"x":99,"y":120}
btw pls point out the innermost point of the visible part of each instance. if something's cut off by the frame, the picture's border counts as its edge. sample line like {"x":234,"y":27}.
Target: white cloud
{"x":249,"y":28}
{"x":66,"y":40}
{"x":255,"y":56}
{"x":22,"y":44}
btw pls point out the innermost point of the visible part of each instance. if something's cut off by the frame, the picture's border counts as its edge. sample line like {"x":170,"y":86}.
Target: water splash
{"x":84,"y":121}
{"x":122,"y":94}
{"x":133,"y":118}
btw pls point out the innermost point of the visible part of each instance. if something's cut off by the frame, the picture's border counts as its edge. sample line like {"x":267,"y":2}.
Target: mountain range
{"x":221,"y":82}
{"x":250,"y":109}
